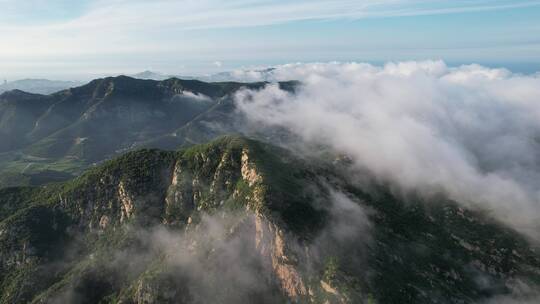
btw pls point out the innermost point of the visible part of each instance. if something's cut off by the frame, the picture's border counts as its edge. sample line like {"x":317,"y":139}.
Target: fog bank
{"x":470,"y":132}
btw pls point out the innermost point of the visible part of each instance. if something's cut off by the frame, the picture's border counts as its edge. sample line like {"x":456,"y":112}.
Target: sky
{"x":81,"y":39}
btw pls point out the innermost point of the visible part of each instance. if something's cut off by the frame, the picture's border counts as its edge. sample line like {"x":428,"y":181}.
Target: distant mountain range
{"x":239,"y":75}
{"x":149,"y":75}
{"x":38,"y":86}
{"x":46,"y":86}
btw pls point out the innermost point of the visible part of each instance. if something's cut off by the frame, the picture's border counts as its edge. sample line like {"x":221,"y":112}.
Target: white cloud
{"x":140,"y":26}
{"x":195,"y":96}
{"x":471,"y":132}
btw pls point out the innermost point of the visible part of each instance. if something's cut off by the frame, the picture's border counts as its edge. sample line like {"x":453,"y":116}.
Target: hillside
{"x":52,"y":137}
{"x":236,"y":220}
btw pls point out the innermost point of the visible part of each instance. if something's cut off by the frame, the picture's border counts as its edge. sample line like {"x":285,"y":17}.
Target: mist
{"x":222,"y":257}
{"x":471,"y":132}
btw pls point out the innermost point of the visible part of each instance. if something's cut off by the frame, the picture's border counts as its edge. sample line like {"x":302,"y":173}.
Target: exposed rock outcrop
{"x":148,"y":227}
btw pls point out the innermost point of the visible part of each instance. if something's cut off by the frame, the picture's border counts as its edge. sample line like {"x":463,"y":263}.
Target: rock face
{"x":126,"y":203}
{"x":272,"y":244}
{"x":239,"y":221}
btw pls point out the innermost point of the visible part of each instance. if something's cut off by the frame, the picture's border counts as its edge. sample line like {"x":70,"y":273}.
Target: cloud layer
{"x":470,"y":132}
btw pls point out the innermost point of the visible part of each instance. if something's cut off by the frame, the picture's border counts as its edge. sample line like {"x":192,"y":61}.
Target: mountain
{"x":246,"y":75}
{"x":236,"y":220}
{"x":52,"y":137}
{"x":38,"y":86}
{"x":151,"y":75}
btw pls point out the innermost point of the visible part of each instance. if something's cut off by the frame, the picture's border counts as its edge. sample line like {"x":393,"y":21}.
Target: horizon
{"x":514,"y":68}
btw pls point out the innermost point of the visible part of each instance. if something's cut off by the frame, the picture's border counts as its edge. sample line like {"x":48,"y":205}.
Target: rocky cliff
{"x":235,"y":221}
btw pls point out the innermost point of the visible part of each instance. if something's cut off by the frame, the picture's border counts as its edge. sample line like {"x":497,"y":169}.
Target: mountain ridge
{"x":68,"y":130}
{"x":260,"y":224}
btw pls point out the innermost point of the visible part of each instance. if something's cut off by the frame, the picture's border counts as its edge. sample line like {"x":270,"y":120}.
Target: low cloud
{"x":224,"y":257}
{"x":471,"y":132}
{"x":195,"y":96}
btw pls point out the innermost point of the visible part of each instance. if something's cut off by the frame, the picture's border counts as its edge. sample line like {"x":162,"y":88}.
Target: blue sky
{"x":69,"y":39}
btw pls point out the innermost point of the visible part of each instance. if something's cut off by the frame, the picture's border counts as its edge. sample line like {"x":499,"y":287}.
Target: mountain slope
{"x":235,"y":221}
{"x":50,"y":137}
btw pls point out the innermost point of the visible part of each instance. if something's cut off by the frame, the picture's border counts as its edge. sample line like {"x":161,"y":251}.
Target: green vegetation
{"x":53,"y":138}
{"x":89,"y":237}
